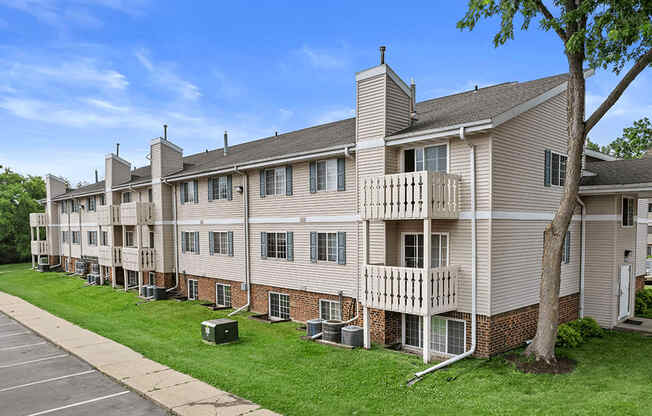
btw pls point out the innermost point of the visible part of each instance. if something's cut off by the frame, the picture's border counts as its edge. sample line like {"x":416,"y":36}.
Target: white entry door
{"x":625,"y":273}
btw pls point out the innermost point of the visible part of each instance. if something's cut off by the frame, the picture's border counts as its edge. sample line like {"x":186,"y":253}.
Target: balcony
{"x":37,"y":219}
{"x":39,"y":248}
{"x":110,"y":256}
{"x":138,"y":259}
{"x":411,"y":195}
{"x":136,"y":213}
{"x":108,"y":214}
{"x":407,"y":290}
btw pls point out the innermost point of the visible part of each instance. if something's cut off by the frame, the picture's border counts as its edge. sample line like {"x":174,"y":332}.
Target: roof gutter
{"x":615,"y":188}
{"x":448,"y":131}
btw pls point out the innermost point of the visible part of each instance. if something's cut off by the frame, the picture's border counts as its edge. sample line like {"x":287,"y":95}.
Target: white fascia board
{"x":118,"y":158}
{"x":599,"y":155}
{"x":398,"y":81}
{"x":615,"y":189}
{"x":130,"y":186}
{"x":528,"y":105}
{"x":443,"y":132}
{"x":370,"y":72}
{"x":160,"y":140}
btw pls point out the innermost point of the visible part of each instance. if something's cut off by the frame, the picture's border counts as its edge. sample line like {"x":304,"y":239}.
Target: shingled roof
{"x":618,"y":172}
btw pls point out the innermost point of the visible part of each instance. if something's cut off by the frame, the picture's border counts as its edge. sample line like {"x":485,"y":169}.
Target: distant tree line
{"x":633,"y":144}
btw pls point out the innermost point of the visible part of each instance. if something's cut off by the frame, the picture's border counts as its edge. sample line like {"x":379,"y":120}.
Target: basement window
{"x":223,"y":295}
{"x":193,"y":289}
{"x":413,"y":331}
{"x":329,"y":310}
{"x":447,"y":336}
{"x":132,"y":278}
{"x":152,"y":278}
{"x":279,"y":306}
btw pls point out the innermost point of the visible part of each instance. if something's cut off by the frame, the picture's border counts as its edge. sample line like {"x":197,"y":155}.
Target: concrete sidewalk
{"x":180,"y":393}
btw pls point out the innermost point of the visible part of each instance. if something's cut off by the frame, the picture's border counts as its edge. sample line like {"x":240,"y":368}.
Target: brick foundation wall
{"x":640,"y":283}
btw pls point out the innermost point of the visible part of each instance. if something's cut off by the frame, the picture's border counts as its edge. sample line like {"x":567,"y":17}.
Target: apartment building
{"x":329,"y":221}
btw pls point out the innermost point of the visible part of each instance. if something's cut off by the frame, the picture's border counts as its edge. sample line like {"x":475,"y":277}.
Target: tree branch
{"x":546,"y":13}
{"x":615,"y":94}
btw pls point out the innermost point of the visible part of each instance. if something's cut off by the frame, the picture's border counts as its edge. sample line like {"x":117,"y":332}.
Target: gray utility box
{"x":219,"y":331}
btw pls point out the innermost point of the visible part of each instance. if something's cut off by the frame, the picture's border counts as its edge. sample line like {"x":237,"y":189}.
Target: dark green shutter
{"x":229,"y":187}
{"x":211,"y":195}
{"x":341,"y":182}
{"x":195,"y":185}
{"x":289,"y":242}
{"x":313,"y":247}
{"x":230,"y":243}
{"x":568,"y":246}
{"x":262,"y":183}
{"x":288,"y":180}
{"x":263,"y":244}
{"x":313,"y":177}
{"x":547,"y":171}
{"x":341,"y":247}
{"x":183,"y":242}
{"x":182,"y":193}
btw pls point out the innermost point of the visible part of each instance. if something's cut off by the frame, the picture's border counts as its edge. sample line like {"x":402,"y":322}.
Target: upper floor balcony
{"x":137,"y":259}
{"x":38,"y":219}
{"x":136,"y":213}
{"x":110,"y":256}
{"x":408,"y":290}
{"x":409,"y":195}
{"x":39,"y":248}
{"x":108,"y":214}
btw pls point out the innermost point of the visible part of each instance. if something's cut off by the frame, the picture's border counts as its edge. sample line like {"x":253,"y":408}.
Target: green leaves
{"x":634,"y":142}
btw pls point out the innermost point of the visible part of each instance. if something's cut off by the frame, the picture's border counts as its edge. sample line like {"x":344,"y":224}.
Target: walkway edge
{"x":177,"y":392}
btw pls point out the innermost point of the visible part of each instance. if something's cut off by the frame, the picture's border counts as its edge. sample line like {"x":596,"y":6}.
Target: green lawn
{"x":273,"y":367}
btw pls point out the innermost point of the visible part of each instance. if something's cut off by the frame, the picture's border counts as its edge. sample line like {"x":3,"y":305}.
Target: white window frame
{"x":276,"y":256}
{"x":328,"y":247}
{"x":564,"y":260}
{"x":552,"y":178}
{"x":75,"y":206}
{"x":622,"y":211}
{"x":72,"y":238}
{"x":222,"y":238}
{"x":92,"y":203}
{"x":151,"y":277}
{"x":190,"y":235}
{"x":193,"y":296}
{"x":126,"y":197}
{"x":220,"y":187}
{"x":104,"y":238}
{"x":92,"y":238}
{"x":331,"y":304}
{"x":189,"y":196}
{"x":269,"y":305}
{"x":224,"y":286}
{"x":133,"y":239}
{"x":432,"y":350}
{"x":330,"y":178}
{"x":64,"y":237}
{"x":448,"y":246}
{"x":278,"y":188}
{"x":422,"y":149}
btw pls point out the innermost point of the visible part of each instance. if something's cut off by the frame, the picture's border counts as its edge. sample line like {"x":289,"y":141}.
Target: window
{"x":432,"y":158}
{"x":92,"y":238}
{"x":91,"y":203}
{"x":275,"y":181}
{"x":75,"y":237}
{"x":413,"y":250}
{"x":104,"y":238}
{"x":75,"y":205}
{"x":129,"y":239}
{"x":63,"y":204}
{"x":327,"y":175}
{"x":447,"y":336}
{"x":189,"y":192}
{"x":279,"y":306}
{"x":193,"y":289}
{"x":150,"y":196}
{"x":329,"y":310}
{"x":126,"y":197}
{"x":276,"y":245}
{"x":649,"y":207}
{"x":64,"y":236}
{"x":221,"y":243}
{"x":219,"y":188}
{"x":413,"y":331}
{"x":223,"y":295}
{"x":151,"y":239}
{"x":152,"y":279}
{"x":628,"y":212}
{"x":565,"y":253}
{"x":649,"y":250}
{"x":102,"y":201}
{"x":190,"y":242}
{"x":132,"y":278}
{"x":555,"y":169}
{"x":327,"y":246}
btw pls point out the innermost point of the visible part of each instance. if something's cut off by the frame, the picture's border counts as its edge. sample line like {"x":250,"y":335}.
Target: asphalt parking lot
{"x":38,"y":378}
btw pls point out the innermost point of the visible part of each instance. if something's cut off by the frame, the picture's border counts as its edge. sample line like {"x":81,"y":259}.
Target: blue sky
{"x":76,"y":77}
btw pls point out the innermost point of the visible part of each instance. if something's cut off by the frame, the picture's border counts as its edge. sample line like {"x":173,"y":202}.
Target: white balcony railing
{"x":110,"y":256}
{"x":38,"y":219}
{"x":411,"y":195}
{"x":403,"y":289}
{"x":138,"y":259}
{"x":108,"y":214}
{"x":135,"y":213}
{"x":39,"y":248}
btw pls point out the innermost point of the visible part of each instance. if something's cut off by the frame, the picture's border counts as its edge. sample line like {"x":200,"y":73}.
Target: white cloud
{"x":163,"y":75}
{"x":321,"y":59}
{"x":334,"y":115}
{"x":105,"y":105}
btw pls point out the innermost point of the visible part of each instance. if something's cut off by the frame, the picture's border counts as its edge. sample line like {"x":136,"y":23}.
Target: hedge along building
{"x":329,"y":221}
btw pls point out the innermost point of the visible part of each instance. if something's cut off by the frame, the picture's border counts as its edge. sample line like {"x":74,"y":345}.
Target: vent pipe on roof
{"x":117,"y":149}
{"x":382,"y":55}
{"x":165,"y":131}
{"x":96,"y":176}
{"x":413,"y":101}
{"x":226,"y":143}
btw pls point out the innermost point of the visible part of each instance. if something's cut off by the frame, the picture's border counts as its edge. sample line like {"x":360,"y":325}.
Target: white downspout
{"x":176,"y":232}
{"x":245,"y":202}
{"x":420,"y":374}
{"x":582,"y":255}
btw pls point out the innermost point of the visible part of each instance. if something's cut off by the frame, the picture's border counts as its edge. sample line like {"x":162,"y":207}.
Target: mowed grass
{"x":271,"y":366}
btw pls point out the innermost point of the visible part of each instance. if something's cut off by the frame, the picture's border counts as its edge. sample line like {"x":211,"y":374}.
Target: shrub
{"x":646,"y":296}
{"x":568,"y":336}
{"x":589,"y":328}
{"x":640,"y":307}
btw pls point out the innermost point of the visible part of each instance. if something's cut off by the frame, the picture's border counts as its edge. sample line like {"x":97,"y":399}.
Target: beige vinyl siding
{"x":398,"y":108}
{"x":372,"y":162}
{"x":641,"y":238}
{"x":301,"y":274}
{"x":517,"y":251}
{"x":206,"y":209}
{"x":370,"y":117}
{"x":518,"y":158}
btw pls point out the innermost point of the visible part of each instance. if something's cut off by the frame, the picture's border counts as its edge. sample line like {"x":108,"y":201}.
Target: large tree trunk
{"x":543,"y":345}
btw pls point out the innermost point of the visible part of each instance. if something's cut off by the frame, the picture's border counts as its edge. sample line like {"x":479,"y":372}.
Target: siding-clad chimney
{"x":166,"y":157}
{"x":116,"y":171}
